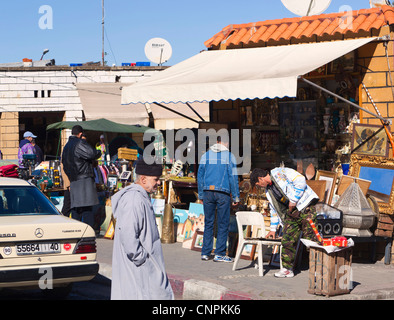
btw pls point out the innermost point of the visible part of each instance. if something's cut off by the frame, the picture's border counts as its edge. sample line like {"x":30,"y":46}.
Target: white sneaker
{"x":284,"y":273}
{"x":222,"y":259}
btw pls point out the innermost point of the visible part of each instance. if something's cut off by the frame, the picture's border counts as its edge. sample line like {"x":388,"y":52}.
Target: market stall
{"x":113,"y":171}
{"x":303,"y":102}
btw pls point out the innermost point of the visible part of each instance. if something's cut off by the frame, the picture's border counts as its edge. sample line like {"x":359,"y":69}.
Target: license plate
{"x":37,"y":248}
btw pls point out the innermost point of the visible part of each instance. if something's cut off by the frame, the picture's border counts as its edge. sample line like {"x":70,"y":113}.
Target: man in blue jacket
{"x":217,"y":182}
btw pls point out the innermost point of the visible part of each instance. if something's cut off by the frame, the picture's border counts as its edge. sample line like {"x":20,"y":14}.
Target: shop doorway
{"x":37,"y":122}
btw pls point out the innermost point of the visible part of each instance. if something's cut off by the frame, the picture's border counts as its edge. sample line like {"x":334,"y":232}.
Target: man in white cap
{"x":27,"y":138}
{"x":25,"y":146}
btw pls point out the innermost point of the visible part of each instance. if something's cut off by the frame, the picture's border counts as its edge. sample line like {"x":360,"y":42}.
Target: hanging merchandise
{"x":176,"y":168}
{"x":101,"y":147}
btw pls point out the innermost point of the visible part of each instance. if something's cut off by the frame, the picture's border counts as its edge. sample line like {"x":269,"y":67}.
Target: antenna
{"x":306,"y":7}
{"x":102,"y":23}
{"x":158,"y":50}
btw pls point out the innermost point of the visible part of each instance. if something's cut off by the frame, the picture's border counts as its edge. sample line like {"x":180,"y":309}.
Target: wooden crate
{"x":328,"y":273}
{"x":128,"y":154}
{"x":385,"y":225}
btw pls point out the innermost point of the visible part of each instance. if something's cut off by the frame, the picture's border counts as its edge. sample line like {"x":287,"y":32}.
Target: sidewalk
{"x":194,"y":279}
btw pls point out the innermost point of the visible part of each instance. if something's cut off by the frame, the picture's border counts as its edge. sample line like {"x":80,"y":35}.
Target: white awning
{"x":167,"y":120}
{"x":102,"y":100}
{"x":238,"y":73}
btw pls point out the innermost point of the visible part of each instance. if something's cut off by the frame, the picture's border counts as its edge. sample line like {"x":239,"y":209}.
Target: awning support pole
{"x":385,"y":125}
{"x":202,"y":119}
{"x":385,"y":121}
{"x":178,"y":113}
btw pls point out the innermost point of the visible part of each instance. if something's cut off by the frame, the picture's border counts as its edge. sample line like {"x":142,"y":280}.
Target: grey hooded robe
{"x":138,"y":271}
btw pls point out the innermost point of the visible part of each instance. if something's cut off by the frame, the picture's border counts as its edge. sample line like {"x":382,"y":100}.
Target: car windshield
{"x":24,"y":200}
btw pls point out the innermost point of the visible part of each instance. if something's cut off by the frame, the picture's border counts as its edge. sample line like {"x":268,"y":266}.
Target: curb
{"x":188,"y":289}
{"x":380,"y":294}
{"x":191,"y":289}
{"x":202,"y":290}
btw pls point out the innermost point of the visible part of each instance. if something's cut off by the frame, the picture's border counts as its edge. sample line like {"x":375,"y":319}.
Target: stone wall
{"x":378,"y":76}
{"x":9,"y":138}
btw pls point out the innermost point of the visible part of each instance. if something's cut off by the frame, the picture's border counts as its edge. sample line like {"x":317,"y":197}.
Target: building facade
{"x":32,"y":97}
{"x":371,"y":65}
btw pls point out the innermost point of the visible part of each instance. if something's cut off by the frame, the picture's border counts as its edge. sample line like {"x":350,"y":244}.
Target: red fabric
{"x":9,"y":170}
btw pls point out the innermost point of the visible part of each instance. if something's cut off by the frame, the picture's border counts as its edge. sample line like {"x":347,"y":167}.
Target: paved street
{"x":194,"y":279}
{"x":197,"y":279}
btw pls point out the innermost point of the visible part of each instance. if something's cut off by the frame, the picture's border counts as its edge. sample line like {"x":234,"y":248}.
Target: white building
{"x":34,"y":95}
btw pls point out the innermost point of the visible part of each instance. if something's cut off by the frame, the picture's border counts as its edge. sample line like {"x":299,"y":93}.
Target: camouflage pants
{"x":292,"y":228}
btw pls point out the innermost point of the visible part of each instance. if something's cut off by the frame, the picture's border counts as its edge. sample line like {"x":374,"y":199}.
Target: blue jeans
{"x":220,"y":201}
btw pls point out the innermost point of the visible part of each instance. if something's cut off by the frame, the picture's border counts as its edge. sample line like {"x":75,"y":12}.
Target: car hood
{"x":21,"y":228}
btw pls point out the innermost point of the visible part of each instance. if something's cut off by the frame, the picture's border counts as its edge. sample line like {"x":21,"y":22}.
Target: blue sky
{"x":75,"y":36}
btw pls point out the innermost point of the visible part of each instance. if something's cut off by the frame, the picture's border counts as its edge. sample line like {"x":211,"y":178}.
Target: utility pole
{"x":102,"y":23}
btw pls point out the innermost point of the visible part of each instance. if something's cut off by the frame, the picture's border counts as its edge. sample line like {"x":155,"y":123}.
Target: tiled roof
{"x":312,"y":27}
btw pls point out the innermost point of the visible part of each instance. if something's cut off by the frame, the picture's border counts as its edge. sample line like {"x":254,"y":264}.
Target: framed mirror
{"x":380,"y":171}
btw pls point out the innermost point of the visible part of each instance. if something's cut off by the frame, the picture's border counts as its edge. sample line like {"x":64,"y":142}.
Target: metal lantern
{"x":358,"y":216}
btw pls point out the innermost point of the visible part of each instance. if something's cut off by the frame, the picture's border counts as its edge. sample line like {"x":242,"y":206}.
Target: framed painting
{"x":344,"y":63}
{"x":321,"y":71}
{"x":380,"y":171}
{"x":330,"y":178}
{"x":248,"y":252}
{"x":345,"y":182}
{"x":370,"y":140}
{"x":197,"y":240}
{"x":319,"y":187}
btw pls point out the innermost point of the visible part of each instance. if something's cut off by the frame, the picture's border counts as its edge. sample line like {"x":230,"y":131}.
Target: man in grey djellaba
{"x":138,"y":271}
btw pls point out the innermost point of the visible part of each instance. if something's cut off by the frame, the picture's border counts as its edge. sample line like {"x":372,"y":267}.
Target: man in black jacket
{"x":77,"y":159}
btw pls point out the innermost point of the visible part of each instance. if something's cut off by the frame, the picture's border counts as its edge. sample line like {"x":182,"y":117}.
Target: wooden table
{"x":374,"y":240}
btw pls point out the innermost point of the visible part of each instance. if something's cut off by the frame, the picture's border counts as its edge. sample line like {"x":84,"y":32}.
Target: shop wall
{"x":375,"y":74}
{"x":225,"y":112}
{"x":9,"y":139}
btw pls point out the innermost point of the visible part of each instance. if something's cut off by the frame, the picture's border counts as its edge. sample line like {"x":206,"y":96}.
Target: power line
{"x":110,"y":47}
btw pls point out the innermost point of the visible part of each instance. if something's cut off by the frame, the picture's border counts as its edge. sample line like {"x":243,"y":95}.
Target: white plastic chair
{"x":250,"y":218}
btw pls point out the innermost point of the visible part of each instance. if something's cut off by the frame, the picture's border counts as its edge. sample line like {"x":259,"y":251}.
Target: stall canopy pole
{"x":384,"y":121}
{"x":178,"y":113}
{"x":202,"y":119}
{"x":59,"y":144}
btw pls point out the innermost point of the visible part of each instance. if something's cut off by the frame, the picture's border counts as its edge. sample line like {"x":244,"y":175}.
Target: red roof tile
{"x":327,"y":25}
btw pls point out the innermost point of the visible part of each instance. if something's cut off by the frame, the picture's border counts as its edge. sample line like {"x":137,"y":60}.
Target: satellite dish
{"x":378,"y":3}
{"x":306,"y":7}
{"x":158,"y":50}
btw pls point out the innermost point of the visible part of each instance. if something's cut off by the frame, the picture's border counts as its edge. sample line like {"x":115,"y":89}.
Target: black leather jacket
{"x":77,"y":159}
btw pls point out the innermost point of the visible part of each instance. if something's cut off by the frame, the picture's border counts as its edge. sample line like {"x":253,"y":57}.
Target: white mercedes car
{"x":39,"y":247}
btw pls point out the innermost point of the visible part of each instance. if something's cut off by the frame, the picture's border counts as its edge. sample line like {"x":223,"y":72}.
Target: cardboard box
{"x":337,"y":241}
